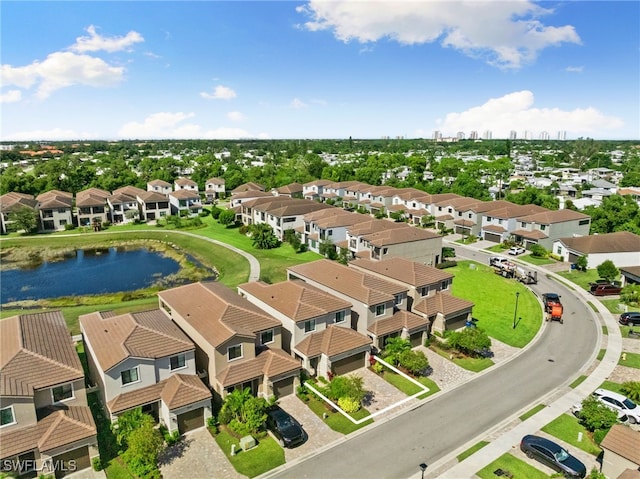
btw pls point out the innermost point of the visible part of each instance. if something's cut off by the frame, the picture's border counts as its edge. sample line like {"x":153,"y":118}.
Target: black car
{"x":631,"y":318}
{"x":285,"y":427}
{"x":553,"y":455}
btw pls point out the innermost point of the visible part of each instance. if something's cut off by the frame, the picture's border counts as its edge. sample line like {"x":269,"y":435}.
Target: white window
{"x":398,"y":299}
{"x":380,"y":309}
{"x":234,"y":352}
{"x":340,"y":316}
{"x":130,"y":376}
{"x":178,"y":362}
{"x":266,"y":337}
{"x":62,"y":393}
{"x":7,"y":417}
{"x":310,"y":326}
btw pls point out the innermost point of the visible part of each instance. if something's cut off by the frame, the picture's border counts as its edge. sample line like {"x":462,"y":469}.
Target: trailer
{"x":511,"y":270}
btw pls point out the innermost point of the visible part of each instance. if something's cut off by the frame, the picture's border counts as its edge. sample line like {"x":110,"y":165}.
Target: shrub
{"x":377,"y":368}
{"x":594,"y":415}
{"x":96,"y":463}
{"x":69,"y":227}
{"x":243,"y":230}
{"x":227,"y":217}
{"x":632,"y":390}
{"x":215,"y":212}
{"x":469,"y":340}
{"x":414,"y":361}
{"x":346,"y":386}
{"x":446,"y":264}
{"x":538,"y":251}
{"x":348,"y":404}
{"x":599,"y":434}
{"x":556,"y":257}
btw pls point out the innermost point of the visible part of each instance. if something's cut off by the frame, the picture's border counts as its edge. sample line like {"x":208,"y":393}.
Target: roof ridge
{"x":49,"y":360}
{"x":161,"y":333}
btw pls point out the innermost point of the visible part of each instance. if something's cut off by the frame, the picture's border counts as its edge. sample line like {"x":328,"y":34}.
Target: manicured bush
{"x":96,"y":463}
{"x":446,"y":264}
{"x":349,"y":405}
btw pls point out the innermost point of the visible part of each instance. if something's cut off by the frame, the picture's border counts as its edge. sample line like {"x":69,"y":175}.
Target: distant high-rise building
{"x":460,"y":135}
{"x":437,"y":135}
{"x":562,"y":135}
{"x":513,"y":135}
{"x":488,"y":135}
{"x":528,"y":135}
{"x":544,"y":135}
{"x":473,"y":135}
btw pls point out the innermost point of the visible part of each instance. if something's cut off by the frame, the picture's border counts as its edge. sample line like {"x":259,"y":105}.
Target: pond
{"x":94,"y":271}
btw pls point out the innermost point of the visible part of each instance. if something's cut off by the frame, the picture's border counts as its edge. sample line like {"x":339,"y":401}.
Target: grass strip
{"x":532,"y":411}
{"x":472,"y":450}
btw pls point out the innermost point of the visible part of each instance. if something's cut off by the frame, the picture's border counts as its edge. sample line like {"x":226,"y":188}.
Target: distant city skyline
{"x":319,"y":69}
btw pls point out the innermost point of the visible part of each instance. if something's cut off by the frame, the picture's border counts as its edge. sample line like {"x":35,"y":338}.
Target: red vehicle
{"x":555,"y":313}
{"x":606,"y":290}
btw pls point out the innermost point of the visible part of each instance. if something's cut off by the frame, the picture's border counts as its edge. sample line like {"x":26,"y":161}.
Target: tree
{"x":538,"y":251}
{"x":263,"y":237}
{"x":24,"y":218}
{"x":608,"y":270}
{"x":346,"y":386}
{"x":393,"y":349}
{"x":595,"y":415}
{"x":632,"y":390}
{"x":144,"y":444}
{"x":469,"y":340}
{"x":328,"y":249}
{"x":582,"y":262}
{"x":129,"y":422}
{"x":227,"y":217}
{"x":414,"y":361}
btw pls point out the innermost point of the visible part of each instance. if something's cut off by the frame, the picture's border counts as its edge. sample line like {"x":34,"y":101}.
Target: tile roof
{"x":407,"y":234}
{"x":618,"y":242}
{"x":286,"y":206}
{"x":185,"y":182}
{"x":247,"y":187}
{"x":464,"y":222}
{"x":185,"y":194}
{"x":363,"y":287}
{"x":318,"y":183}
{"x":252,"y":194}
{"x":403,"y":270}
{"x":55,"y":199}
{"x":296,"y":299}
{"x":623,"y":441}
{"x":400,"y":320}
{"x":217,"y":312}
{"x":177,"y":391}
{"x":92,"y":197}
{"x":443,"y":303}
{"x":269,"y":363}
{"x":494,"y":228}
{"x":146,"y":334}
{"x":162,"y":183}
{"x":151,"y":196}
{"x":14,"y":201}
{"x":61,"y":426}
{"x":36,"y":351}
{"x":551,"y":216}
{"x":129,"y":191}
{"x":290,"y":188}
{"x":332,"y":341}
{"x":535,"y":234}
{"x":215,"y":181}
{"x":515,"y":211}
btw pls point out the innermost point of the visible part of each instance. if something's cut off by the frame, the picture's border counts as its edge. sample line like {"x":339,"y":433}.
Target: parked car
{"x":598,"y":282}
{"x":498,"y":261}
{"x":285,"y":427}
{"x":516,"y":250}
{"x":605,"y":290}
{"x":625,"y":407}
{"x":631,"y":318}
{"x":553,"y":455}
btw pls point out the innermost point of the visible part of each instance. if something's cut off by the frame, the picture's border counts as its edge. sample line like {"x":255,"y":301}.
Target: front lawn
{"x":567,"y":428}
{"x":632,"y":360}
{"x":581,"y":278}
{"x":494,"y":298}
{"x":335,"y":420}
{"x":611,"y":386}
{"x":407,"y":387}
{"x":518,"y":469}
{"x":470,"y":364}
{"x":536,"y":260}
{"x":265,"y":456}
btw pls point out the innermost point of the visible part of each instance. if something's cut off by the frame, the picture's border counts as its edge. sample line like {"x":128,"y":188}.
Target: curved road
{"x":395,"y":448}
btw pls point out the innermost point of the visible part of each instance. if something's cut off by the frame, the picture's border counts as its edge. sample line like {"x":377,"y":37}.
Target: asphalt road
{"x":394,"y":449}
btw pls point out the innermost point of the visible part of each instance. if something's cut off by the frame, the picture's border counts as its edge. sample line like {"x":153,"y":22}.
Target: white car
{"x":618,"y":402}
{"x":516,"y":250}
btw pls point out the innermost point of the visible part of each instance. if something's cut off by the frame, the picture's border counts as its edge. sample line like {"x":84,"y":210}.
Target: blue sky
{"x":316,"y":69}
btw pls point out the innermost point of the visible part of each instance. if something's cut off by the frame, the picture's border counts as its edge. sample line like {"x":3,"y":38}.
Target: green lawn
{"x":336,"y":420}
{"x":532,"y":411}
{"x":613,"y":305}
{"x":409,"y":388}
{"x":632,"y":360}
{"x":470,"y":364}
{"x":567,"y":428}
{"x":581,"y":278}
{"x":624,"y":330}
{"x":518,"y":469}
{"x":537,"y":261}
{"x":265,"y":456}
{"x":495,"y":303}
{"x":472,"y":450}
{"x":611,"y":386}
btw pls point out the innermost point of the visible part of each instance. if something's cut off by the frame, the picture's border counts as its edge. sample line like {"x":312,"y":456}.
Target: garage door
{"x":492,"y":237}
{"x":457,"y":322}
{"x":349,"y":364}
{"x":416,"y":339}
{"x":72,"y":461}
{"x":573,"y":258}
{"x":283,"y":388}
{"x":191,"y":420}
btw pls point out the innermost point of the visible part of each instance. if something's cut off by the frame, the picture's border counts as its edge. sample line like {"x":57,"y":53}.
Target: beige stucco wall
{"x":113,"y":383}
{"x":43,"y":397}
{"x":613,"y":465}
{"x":426,"y":251}
{"x":24,"y":411}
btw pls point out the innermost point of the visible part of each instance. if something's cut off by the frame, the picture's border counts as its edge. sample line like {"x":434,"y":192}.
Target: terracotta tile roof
{"x":535,"y":234}
{"x":14,"y":201}
{"x":404,"y":270}
{"x":247,"y":187}
{"x":286,"y":206}
{"x":55,"y":199}
{"x":215,"y":181}
{"x":121,"y":198}
{"x":332,"y":341}
{"x":185,"y":182}
{"x":296,"y":299}
{"x":147,"y":334}
{"x":291,"y":188}
{"x":161,"y":183}
{"x":551,"y":216}
{"x":397,"y":322}
{"x":495,"y":228}
{"x":151,"y":196}
{"x":334,"y":218}
{"x":460,"y":203}
{"x":360,"y":286}
{"x":217,"y":312}
{"x":407,"y":234}
{"x":252,"y":194}
{"x":177,"y":391}
{"x":464,"y":222}
{"x":269,"y":363}
{"x":36,"y":351}
{"x":623,"y":441}
{"x":618,"y":242}
{"x":185,"y":194}
{"x":443,"y":303}
{"x":92,"y":197}
{"x":374,"y":226}
{"x":515,"y":211}
{"x":60,"y":427}
{"x":444,"y":217}
{"x":318,"y":183}
{"x":129,"y":191}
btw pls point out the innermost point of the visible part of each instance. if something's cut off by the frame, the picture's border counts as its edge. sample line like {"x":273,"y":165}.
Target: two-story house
{"x":45,"y":424}
{"x":497,"y":224}
{"x":91,"y":206}
{"x":56,"y":210}
{"x":250,"y":186}
{"x":315,"y":325}
{"x":153,"y":205}
{"x":547,"y":226}
{"x":314,"y":189}
{"x":292,"y":190}
{"x":185,"y":202}
{"x":373,"y":300}
{"x":144,"y":360}
{"x":159,"y":186}
{"x":237,"y":343}
{"x":123,"y":207}
{"x":185,"y":184}
{"x":214,"y":188}
{"x":330,"y":224}
{"x":13,"y":202}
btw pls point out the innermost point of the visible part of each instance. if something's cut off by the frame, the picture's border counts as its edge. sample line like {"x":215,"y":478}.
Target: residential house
{"x":238,"y":198}
{"x":621,"y":452}
{"x":92,"y":207}
{"x":46,"y":425}
{"x":630,"y":275}
{"x":153,"y":205}
{"x":292,"y":190}
{"x":214,"y":188}
{"x":336,"y":191}
{"x":621,"y":247}
{"x":185,"y":202}
{"x":56,"y":210}
{"x":237,"y":343}
{"x":159,"y":186}
{"x":144,"y":360}
{"x":456,"y":214}
{"x":11,"y":203}
{"x":497,"y":224}
{"x":314,"y":189}
{"x":186,"y":184}
{"x":250,"y":186}
{"x":329,"y":224}
{"x":545,"y":227}
{"x":123,"y":207}
{"x":376,"y":199}
{"x":372,"y":298}
{"x":634,"y":192}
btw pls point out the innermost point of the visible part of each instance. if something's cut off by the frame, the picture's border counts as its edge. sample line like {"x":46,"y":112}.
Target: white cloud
{"x":96,"y":42}
{"x":297,"y":104}
{"x":575,"y":69}
{"x":504,"y":34}
{"x":235,"y":116}
{"x":167,"y":125}
{"x":515,"y":111}
{"x":11,"y":96}
{"x":220,"y":93}
{"x":55,"y":134}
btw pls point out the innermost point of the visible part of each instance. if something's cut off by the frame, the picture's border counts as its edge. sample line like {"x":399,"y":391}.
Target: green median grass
{"x":532,"y":411}
{"x":409,"y":388}
{"x":567,"y":428}
{"x":518,"y":469}
{"x":579,"y":380}
{"x":472,"y":450}
{"x":265,"y":456}
{"x":494,"y":298}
